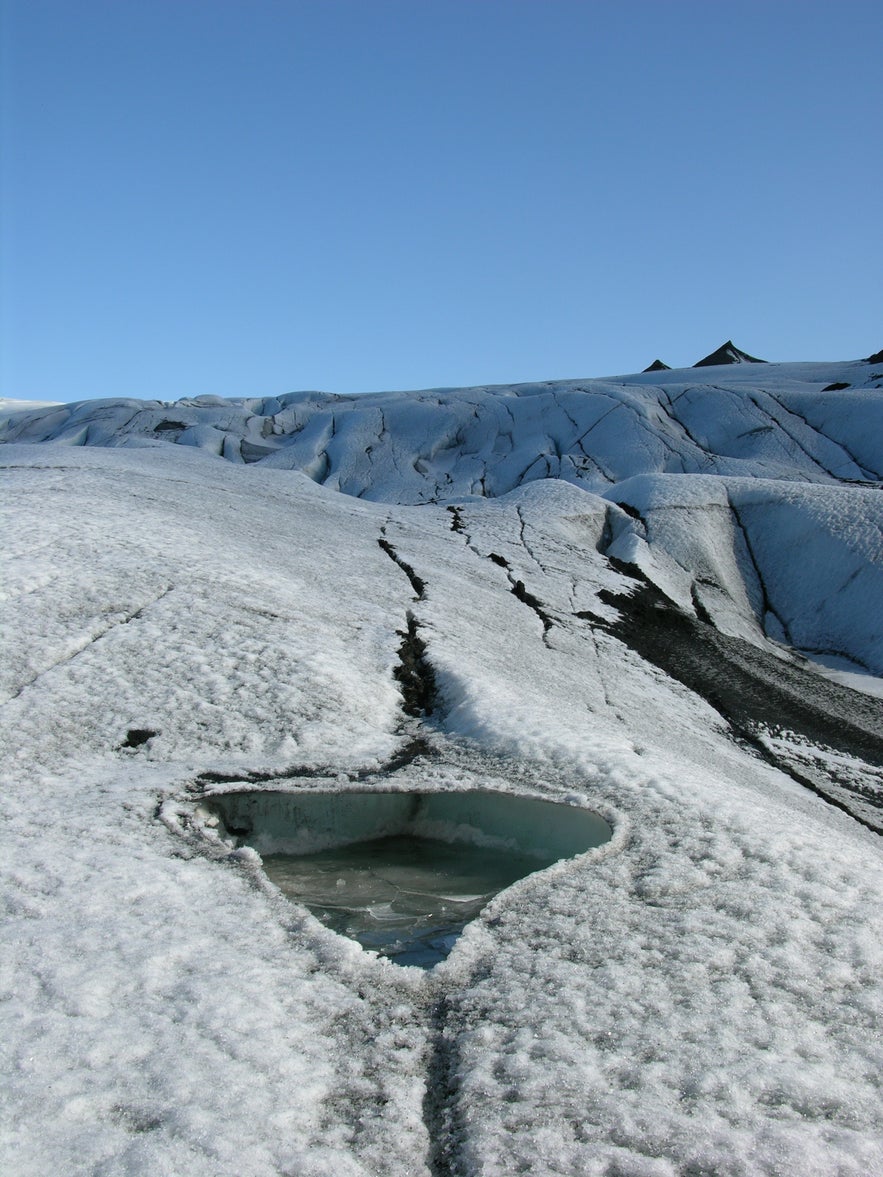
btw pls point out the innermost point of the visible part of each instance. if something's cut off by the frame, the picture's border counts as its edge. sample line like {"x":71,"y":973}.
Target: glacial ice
{"x":699,"y":995}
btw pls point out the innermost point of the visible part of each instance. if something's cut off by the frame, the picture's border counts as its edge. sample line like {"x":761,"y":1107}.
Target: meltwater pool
{"x":403,"y":873}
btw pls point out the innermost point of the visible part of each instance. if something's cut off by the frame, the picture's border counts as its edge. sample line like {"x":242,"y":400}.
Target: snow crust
{"x":702,"y":994}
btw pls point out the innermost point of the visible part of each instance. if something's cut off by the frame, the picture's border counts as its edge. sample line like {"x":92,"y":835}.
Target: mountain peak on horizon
{"x":658,"y":366}
{"x":727,"y":353}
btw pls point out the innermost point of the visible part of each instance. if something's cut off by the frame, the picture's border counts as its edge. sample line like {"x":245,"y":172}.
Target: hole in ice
{"x":136,"y":736}
{"x":403,"y":873}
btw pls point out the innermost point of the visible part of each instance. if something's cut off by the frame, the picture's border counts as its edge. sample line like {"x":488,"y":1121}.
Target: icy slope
{"x":771,"y":421}
{"x":700,"y":995}
{"x":798,"y":565}
{"x":801,"y":563}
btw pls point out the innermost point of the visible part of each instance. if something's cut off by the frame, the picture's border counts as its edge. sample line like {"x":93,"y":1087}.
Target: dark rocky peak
{"x":876,"y":358}
{"x":658,"y":366}
{"x":728,"y":353}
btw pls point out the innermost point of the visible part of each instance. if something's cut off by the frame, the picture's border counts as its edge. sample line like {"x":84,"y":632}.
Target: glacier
{"x":658,"y":598}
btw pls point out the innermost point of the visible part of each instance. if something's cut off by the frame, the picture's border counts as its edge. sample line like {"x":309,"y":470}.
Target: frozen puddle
{"x":403,"y":873}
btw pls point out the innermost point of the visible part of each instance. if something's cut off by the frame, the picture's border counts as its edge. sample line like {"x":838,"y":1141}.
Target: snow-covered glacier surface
{"x":656,"y":598}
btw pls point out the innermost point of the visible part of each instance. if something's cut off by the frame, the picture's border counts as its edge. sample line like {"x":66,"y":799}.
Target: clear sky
{"x":248,"y":197}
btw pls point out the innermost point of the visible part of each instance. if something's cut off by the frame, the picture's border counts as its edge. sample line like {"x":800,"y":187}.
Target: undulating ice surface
{"x":617,"y":603}
{"x":400,"y":872}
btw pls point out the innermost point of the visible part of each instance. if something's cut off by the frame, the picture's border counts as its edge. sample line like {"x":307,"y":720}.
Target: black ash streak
{"x":752,"y":689}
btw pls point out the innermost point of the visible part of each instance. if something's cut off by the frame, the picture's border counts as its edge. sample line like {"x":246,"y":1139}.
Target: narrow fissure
{"x":91,"y":641}
{"x":701,"y":451}
{"x":791,"y":435}
{"x":766,"y":604}
{"x":869,"y":475}
{"x":522,"y":535}
{"x":417,"y":583}
{"x":415,"y":674}
{"x":456,"y":518}
{"x":521,"y":593}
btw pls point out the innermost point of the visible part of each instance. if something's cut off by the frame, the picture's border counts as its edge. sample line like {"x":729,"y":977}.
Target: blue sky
{"x":247,"y":197}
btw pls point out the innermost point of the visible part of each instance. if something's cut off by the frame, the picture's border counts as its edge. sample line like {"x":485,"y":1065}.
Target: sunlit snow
{"x":620,"y":595}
